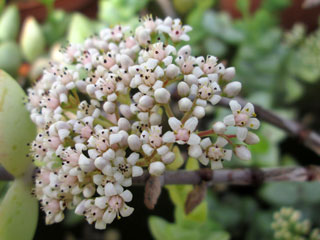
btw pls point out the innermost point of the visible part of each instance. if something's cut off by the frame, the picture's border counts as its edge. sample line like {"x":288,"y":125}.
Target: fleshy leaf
{"x":16,"y":128}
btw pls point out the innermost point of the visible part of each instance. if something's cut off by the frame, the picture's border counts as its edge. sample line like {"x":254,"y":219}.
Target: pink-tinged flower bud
{"x":134,"y":142}
{"x":219,"y":127}
{"x":252,"y":138}
{"x":242,"y":152}
{"x":185,"y":104}
{"x":125,"y":111}
{"x":232,"y":89}
{"x":183,"y":89}
{"x":172,"y":71}
{"x":146,"y":102}
{"x":109,"y":107}
{"x":157,"y":168}
{"x":162,"y":95}
{"x":229,"y":73}
{"x":199,"y":112}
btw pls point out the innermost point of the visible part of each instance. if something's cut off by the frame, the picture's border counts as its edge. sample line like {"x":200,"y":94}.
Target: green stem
{"x":168,"y":110}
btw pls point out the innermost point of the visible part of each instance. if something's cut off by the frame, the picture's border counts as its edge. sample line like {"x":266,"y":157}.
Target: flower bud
{"x":109,"y":107}
{"x":199,"y":112}
{"x":183,"y":89}
{"x":172,"y":71}
{"x":162,"y":95}
{"x":125,"y":111}
{"x":157,"y":168}
{"x":232,"y":89}
{"x":168,"y":157}
{"x":185,"y":104}
{"x":155,"y":119}
{"x":134,"y":142}
{"x":219,"y":127}
{"x":243,"y":152}
{"x":252,"y":138}
{"x":146,"y":102}
{"x":229,"y":73}
{"x":124,"y":124}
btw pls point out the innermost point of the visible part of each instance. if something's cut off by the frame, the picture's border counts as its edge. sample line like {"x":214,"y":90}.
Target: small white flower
{"x":157,"y":168}
{"x":243,"y":152}
{"x":242,"y":118}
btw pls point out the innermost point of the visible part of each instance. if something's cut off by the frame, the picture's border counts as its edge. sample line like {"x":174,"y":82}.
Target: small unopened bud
{"x":168,"y":157}
{"x":183,"y":89}
{"x":199,"y":112}
{"x":185,"y":104}
{"x":146,"y":102}
{"x":109,"y":107}
{"x":252,"y":138}
{"x":125,"y":111}
{"x":134,"y":142}
{"x":219,"y":127}
{"x":232,"y":89}
{"x":172,"y":71}
{"x":229,"y":73}
{"x":162,"y":95}
{"x":123,"y":124}
{"x":155,"y":119}
{"x":156,"y":168}
{"x":243,"y":152}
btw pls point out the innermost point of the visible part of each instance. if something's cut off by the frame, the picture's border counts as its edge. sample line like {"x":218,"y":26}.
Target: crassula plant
{"x":117,"y":105}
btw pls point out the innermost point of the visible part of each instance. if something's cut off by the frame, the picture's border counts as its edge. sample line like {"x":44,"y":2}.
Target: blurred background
{"x":274,"y":46}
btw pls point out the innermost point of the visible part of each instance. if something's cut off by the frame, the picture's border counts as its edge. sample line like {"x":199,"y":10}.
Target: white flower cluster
{"x":100,"y":117}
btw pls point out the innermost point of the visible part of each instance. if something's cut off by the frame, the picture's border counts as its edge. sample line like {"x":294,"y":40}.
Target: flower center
{"x":155,"y":140}
{"x":115,"y":202}
{"x":182,"y":135}
{"x":241,"y":119}
{"x":205,"y":92}
{"x":215,"y":153}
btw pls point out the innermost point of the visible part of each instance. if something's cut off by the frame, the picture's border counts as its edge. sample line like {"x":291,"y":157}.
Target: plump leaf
{"x":16,"y":128}
{"x":80,"y":28}
{"x":19,"y":213}
{"x":32,"y":40}
{"x":10,"y":64}
{"x":9,"y":23}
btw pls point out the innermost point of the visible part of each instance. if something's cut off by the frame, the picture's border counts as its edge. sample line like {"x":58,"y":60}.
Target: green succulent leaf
{"x":16,"y":128}
{"x":32,"y":40}
{"x":80,"y":28}
{"x":9,"y":23}
{"x":10,"y":64}
{"x":19,"y":213}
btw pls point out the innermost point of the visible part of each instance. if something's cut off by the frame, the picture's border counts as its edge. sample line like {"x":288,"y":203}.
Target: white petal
{"x":126,"y":195}
{"x":115,"y":138}
{"x":195,"y":151}
{"x":194,"y":139}
{"x":235,"y":106}
{"x":191,"y":124}
{"x":229,"y":120}
{"x":147,"y":149}
{"x":101,"y":202}
{"x":110,"y":190}
{"x":216,"y":164}
{"x":109,"y":216}
{"x":215,"y":99}
{"x":203,"y":159}
{"x":126,"y":211}
{"x":253,"y":123}
{"x":248,"y":109}
{"x":133,"y":158}
{"x":168,"y":157}
{"x":227,"y":154}
{"x":137,"y":171}
{"x":162,"y":150}
{"x":221,"y":142}
{"x":169,"y":137}
{"x":174,"y":123}
{"x":206,"y":142}
{"x":242,"y":133}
